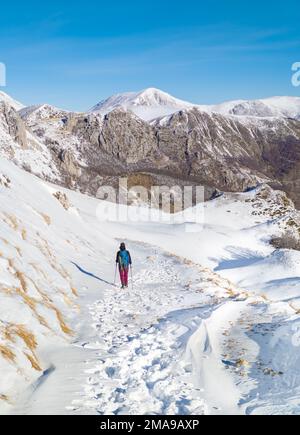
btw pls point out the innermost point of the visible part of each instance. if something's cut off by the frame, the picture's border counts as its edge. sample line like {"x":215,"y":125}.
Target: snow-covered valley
{"x":209,"y":325}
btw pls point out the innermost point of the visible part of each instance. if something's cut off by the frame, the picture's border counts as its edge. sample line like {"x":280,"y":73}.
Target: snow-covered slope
{"x":47,"y":123}
{"x":36,"y":290}
{"x":20,"y":145}
{"x":278,"y":107}
{"x":210,"y":339}
{"x":44,"y":111}
{"x":148,"y":104}
{"x":154,"y":103}
{"x":9,"y":100}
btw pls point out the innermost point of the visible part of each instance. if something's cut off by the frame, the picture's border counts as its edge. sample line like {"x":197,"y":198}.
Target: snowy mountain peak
{"x":153,"y":103}
{"x":156,"y":97}
{"x":147,"y":104}
{"x":9,"y":100}
{"x":281,"y":107}
{"x":40,"y":112}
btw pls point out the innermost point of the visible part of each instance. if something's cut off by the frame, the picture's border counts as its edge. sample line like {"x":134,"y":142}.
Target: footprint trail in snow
{"x":140,"y":338}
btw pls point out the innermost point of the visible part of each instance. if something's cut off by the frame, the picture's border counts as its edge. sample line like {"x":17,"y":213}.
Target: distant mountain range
{"x":153,"y":103}
{"x":154,"y":138}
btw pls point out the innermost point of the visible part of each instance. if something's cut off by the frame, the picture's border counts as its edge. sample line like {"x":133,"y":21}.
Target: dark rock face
{"x":127,"y":138}
{"x":13,"y":124}
{"x":231,"y":154}
{"x":190,"y":147}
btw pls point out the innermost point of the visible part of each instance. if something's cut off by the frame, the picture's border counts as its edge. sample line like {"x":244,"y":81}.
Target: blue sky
{"x":73,"y":54}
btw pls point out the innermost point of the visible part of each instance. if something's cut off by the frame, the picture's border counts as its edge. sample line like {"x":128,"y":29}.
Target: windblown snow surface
{"x":209,"y":325}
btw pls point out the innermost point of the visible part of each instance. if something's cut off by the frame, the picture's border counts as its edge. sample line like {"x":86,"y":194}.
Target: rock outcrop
{"x":229,"y":153}
{"x":12,"y":124}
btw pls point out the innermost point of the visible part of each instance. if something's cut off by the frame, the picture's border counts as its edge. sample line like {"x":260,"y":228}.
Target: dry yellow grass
{"x":44,"y":296}
{"x":242,"y":363}
{"x":39,"y":270}
{"x":31,"y":303}
{"x":21,"y":277}
{"x":6,"y":290}
{"x":297,"y":310}
{"x":74,"y":291}
{"x":46,"y":218}
{"x":18,"y":250}
{"x":24,"y":234}
{"x":44,"y":247}
{"x":48,"y":301}
{"x":27,"y":299}
{"x":42,"y":320}
{"x":28,"y":338}
{"x":7,"y":353}
{"x":33,"y":361}
{"x":62,"y":323}
{"x":231,"y":293}
{"x":10,"y":262}
{"x":11,"y":221}
{"x":51,"y":258}
{"x":263,"y":296}
{"x":63,"y":272}
{"x":4,"y":398}
{"x":67,"y":300}
{"x":8,"y":335}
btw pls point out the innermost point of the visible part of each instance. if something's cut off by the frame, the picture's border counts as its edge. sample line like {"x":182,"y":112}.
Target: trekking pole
{"x":115,"y":275}
{"x":131,"y":277}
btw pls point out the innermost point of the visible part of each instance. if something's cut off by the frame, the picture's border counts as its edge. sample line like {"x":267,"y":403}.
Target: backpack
{"x":124,"y":259}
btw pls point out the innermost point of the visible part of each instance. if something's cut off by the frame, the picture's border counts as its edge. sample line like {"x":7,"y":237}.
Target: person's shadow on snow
{"x":92,"y":275}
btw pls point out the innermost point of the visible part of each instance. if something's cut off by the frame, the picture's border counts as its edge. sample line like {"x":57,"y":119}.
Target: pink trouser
{"x":124,"y":276}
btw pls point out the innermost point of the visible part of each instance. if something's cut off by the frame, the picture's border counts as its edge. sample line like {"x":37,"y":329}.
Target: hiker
{"x":124,"y":262}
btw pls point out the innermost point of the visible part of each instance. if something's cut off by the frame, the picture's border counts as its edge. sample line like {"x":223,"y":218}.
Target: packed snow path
{"x":183,"y":340}
{"x":140,"y":338}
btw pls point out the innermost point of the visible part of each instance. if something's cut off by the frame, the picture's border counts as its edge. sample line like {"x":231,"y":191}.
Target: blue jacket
{"x":124,"y":259}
